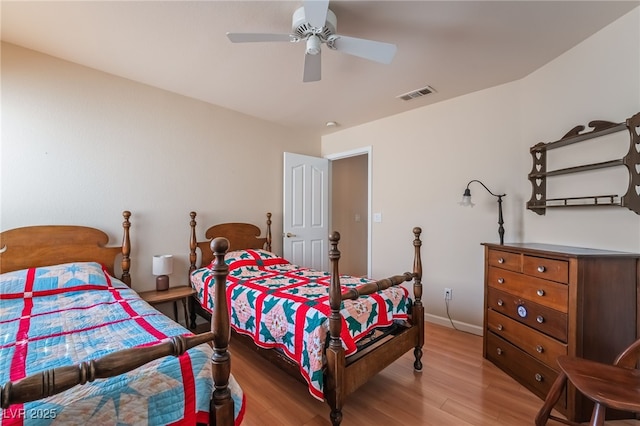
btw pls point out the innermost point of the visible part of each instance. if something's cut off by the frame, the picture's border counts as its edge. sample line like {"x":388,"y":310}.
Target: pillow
{"x":56,"y":277}
{"x":251,"y":257}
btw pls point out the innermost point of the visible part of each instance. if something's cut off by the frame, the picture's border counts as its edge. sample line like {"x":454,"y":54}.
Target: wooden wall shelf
{"x":539,"y":173}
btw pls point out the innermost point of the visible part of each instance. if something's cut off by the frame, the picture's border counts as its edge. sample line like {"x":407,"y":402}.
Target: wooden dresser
{"x":544,"y":300}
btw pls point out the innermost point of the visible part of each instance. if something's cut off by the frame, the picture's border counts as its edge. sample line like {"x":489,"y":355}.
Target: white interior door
{"x":306,"y":211}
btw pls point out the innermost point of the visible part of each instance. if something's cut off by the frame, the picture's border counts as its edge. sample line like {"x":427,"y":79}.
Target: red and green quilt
{"x":284,"y":306}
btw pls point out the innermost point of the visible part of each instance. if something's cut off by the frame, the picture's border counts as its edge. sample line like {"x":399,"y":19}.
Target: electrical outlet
{"x":448,"y":293}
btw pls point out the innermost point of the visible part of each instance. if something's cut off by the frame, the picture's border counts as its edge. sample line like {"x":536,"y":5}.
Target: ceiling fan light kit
{"x":313,"y":45}
{"x":316,"y":24}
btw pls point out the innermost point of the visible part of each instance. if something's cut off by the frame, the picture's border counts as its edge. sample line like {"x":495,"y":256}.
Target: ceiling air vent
{"x":416,"y":93}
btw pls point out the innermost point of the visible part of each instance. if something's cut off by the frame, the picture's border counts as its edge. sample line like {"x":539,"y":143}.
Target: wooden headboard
{"x":240,"y":235}
{"x":44,"y":245}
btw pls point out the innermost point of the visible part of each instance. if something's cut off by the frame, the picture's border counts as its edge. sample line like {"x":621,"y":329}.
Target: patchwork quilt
{"x":66,"y":314}
{"x":284,"y":306}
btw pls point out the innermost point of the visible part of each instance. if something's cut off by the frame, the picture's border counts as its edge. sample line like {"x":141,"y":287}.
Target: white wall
{"x":80,"y":146}
{"x":423,"y":159}
{"x":597,"y":80}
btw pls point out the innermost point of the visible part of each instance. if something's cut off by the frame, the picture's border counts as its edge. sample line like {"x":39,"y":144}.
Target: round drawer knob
{"x":540,"y":292}
{"x":500,"y":302}
{"x":540,"y":319}
{"x":539,"y":349}
{"x":541,"y":269}
{"x":500,"y":280}
{"x":500,"y":327}
{"x":500,"y":260}
{"x":499,"y":351}
{"x":539,"y":377}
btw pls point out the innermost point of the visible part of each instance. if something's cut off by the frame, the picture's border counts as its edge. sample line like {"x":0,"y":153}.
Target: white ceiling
{"x":456,"y":47}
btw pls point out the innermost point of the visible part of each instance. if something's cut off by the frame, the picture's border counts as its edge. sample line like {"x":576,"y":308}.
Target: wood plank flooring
{"x":457,"y":387}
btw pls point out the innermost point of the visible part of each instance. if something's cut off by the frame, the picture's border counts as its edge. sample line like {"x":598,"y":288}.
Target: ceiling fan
{"x":315,"y":24}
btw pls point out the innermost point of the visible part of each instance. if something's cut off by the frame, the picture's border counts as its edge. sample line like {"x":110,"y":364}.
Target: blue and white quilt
{"x":67,"y":314}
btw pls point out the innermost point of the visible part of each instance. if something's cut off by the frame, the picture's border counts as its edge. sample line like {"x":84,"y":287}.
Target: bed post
{"x":268,"y":237}
{"x":193,"y":244}
{"x":417,"y":314}
{"x":334,"y":393}
{"x":126,"y":249}
{"x":221,"y":409}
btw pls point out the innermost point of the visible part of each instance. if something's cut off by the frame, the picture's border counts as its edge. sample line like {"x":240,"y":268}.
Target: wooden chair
{"x":614,"y":386}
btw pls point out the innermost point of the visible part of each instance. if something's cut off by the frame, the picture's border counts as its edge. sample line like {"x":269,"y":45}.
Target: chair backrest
{"x":629,"y":357}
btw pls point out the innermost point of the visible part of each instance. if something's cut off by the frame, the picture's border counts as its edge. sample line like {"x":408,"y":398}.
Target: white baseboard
{"x":459,"y":325}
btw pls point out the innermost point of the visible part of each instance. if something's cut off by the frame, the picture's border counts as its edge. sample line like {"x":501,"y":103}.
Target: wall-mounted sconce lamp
{"x":162,"y":267}
{"x":466,"y":201}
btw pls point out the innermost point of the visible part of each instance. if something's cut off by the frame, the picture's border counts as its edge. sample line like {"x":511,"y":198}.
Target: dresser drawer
{"x":505,"y":260}
{"x":548,"y":269}
{"x":540,"y":346}
{"x":547,"y":293}
{"x":533,"y":374}
{"x":542,"y":318}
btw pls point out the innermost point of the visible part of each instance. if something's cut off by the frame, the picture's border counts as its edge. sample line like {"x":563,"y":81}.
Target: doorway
{"x":350,"y":209}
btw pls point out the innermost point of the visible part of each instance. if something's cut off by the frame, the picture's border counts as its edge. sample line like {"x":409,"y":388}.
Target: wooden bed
{"x":41,"y":246}
{"x":342,"y":374}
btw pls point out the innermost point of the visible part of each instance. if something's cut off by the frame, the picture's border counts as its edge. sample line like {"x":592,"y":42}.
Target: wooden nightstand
{"x":174,"y":294}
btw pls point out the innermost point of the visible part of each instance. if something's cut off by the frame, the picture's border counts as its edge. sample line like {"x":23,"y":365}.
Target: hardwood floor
{"x":457,"y":387}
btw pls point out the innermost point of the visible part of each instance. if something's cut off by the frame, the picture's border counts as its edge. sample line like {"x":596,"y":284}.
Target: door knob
{"x":289,"y":235}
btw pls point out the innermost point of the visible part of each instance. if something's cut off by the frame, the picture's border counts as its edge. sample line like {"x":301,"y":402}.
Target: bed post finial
{"x":126,"y":249}
{"x":219,"y":247}
{"x":268,"y":237}
{"x":221,"y":360}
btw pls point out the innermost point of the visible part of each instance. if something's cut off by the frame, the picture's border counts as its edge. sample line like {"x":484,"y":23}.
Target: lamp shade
{"x":162,"y":264}
{"x":466,"y":199}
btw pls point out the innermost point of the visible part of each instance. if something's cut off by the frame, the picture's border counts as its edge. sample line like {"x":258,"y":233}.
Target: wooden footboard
{"x":56,"y":380}
{"x":344,"y":375}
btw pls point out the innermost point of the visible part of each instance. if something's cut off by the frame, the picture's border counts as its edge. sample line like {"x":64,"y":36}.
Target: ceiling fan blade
{"x":312,"y":68}
{"x":368,"y":49}
{"x":315,"y":11}
{"x":257,"y":37}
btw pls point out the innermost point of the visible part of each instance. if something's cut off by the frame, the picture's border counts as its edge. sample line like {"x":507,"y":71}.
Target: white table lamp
{"x":162,"y":267}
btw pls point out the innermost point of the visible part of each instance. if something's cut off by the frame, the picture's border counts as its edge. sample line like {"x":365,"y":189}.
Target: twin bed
{"x":332,"y":331}
{"x":66,"y":321}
